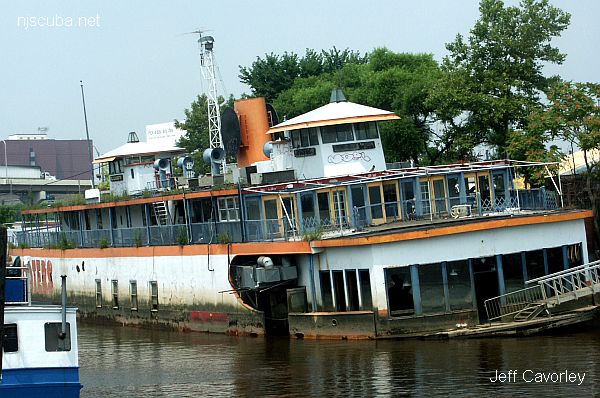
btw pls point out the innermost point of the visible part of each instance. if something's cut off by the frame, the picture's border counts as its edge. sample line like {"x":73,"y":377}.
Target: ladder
{"x":161,"y":213}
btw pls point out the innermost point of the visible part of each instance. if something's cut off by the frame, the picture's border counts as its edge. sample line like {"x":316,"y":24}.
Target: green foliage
{"x":110,"y":197}
{"x":138,"y":239}
{"x":146,"y":193}
{"x":531,"y":146}
{"x":10,"y":213}
{"x":71,"y":200}
{"x":492,"y":80}
{"x":273,"y":74}
{"x":103,"y":243}
{"x":23,"y":245}
{"x":182,"y":237}
{"x":63,"y":243}
{"x":312,"y":234}
{"x":196,"y":139}
{"x":224,"y":238}
{"x":104,"y":185}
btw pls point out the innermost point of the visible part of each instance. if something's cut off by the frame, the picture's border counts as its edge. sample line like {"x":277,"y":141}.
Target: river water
{"x":128,"y":362}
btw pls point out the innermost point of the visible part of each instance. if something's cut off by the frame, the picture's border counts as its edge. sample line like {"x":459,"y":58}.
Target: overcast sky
{"x":140,"y":68}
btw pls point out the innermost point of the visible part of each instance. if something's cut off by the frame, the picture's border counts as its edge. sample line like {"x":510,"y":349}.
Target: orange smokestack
{"x":253,"y":129}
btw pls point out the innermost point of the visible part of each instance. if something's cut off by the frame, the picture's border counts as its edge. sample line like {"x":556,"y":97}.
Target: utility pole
{"x":87,"y":135}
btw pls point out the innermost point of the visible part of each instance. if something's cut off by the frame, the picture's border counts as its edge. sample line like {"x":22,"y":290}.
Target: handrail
{"x":563,"y":272}
{"x":513,"y":302}
{"x":575,"y":283}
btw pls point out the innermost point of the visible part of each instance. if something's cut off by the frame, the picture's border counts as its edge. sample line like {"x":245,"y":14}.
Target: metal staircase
{"x":547,"y":292}
{"x":161,"y":213}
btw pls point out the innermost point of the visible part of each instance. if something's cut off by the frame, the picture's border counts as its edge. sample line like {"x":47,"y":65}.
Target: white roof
{"x":577,"y":160}
{"x":137,"y":148}
{"x":335,"y":113}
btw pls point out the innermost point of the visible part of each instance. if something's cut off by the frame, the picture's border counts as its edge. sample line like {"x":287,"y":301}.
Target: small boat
{"x":39,"y":344}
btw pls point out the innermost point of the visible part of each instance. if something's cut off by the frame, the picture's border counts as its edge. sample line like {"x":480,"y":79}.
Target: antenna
{"x":207,"y":66}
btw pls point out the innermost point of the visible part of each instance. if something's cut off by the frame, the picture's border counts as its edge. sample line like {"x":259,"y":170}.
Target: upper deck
{"x":316,"y":209}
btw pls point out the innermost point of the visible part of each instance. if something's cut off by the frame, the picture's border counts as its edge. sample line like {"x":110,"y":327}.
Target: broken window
{"x":399,"y":290}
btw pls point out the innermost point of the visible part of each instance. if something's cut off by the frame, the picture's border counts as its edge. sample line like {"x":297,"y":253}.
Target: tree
{"x":573,"y":115}
{"x":196,"y":139}
{"x":273,"y":74}
{"x":493,"y":79}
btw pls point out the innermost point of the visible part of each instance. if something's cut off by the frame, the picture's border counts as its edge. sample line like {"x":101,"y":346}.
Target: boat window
{"x":228,"y":209}
{"x":365,"y":289}
{"x":55,"y":341}
{"x":307,"y":204}
{"x":512,"y":267}
{"x":574,"y":255}
{"x":154,"y":295}
{"x":535,"y":264}
{"x":133,"y":295}
{"x":326,"y":294}
{"x":432,"y":288}
{"x":366,"y":131}
{"x":352,"y":290}
{"x":323,"y":202}
{"x":555,"y":260}
{"x":115,"y":294}
{"x":98,"y":293}
{"x":253,"y":209}
{"x":459,"y":285}
{"x":399,"y":290}
{"x":337,"y":133}
{"x":132,"y":174}
{"x":116,"y":166}
{"x":11,"y":340}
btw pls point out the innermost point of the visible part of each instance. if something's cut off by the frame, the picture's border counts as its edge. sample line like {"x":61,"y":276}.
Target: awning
{"x":104,"y":160}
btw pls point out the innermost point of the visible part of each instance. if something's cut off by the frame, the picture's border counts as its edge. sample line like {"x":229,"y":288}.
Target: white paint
{"x":32,"y":352}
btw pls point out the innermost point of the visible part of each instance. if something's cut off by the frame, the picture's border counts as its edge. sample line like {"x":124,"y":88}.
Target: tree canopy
{"x":493,"y":79}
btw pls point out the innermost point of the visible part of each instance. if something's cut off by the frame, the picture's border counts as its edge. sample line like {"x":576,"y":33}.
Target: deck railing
{"x":311,"y":227}
{"x":570,"y":284}
{"x":511,"y":303}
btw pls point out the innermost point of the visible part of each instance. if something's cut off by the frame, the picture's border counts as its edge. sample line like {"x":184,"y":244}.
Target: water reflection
{"x":119,"y":362}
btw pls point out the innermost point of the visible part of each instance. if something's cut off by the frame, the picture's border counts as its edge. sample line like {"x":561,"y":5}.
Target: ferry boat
{"x":39,"y":344}
{"x":310,"y":234}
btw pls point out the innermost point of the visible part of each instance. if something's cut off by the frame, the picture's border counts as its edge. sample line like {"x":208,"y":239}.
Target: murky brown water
{"x":128,"y":362}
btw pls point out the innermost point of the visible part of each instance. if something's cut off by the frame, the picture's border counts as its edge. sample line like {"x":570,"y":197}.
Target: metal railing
{"x":285,"y":228}
{"x":570,"y":284}
{"x":511,"y":303}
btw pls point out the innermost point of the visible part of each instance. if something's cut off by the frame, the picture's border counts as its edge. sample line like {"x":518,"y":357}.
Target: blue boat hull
{"x":40,"y":382}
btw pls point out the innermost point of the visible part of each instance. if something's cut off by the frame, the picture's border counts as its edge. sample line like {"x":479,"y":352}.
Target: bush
{"x":182,"y":237}
{"x":138,"y":239}
{"x":313,"y":234}
{"x":103,"y":243}
{"x":224,"y":238}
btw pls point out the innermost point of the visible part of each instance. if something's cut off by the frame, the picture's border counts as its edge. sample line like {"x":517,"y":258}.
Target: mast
{"x":207,"y":64}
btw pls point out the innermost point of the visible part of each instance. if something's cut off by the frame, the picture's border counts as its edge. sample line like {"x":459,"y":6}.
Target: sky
{"x":140,"y":67}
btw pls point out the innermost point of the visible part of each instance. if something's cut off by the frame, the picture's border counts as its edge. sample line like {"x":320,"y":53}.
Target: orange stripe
{"x":254,"y":248}
{"x":191,"y":195}
{"x":318,"y":123}
{"x":458,"y":229}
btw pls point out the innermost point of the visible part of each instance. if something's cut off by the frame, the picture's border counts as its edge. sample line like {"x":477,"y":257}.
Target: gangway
{"x":547,"y":292}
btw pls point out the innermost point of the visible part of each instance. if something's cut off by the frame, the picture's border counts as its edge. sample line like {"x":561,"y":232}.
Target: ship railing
{"x":570,"y":284}
{"x":508,"y":304}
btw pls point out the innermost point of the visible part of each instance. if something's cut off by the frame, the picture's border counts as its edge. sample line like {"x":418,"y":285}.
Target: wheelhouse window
{"x":229,"y":209}
{"x":10,"y":338}
{"x":337,"y":133}
{"x":116,"y":166}
{"x":305,"y":138}
{"x":366,"y":131}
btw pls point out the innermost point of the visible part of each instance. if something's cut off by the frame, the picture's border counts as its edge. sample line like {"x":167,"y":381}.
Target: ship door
{"x":485,"y":277}
{"x":376,"y":203}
